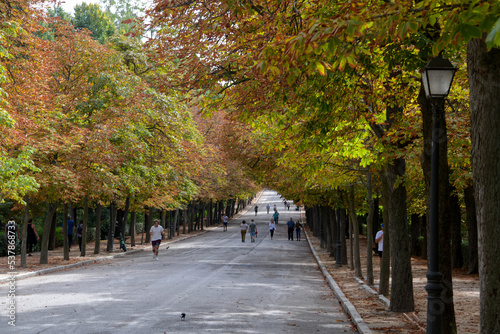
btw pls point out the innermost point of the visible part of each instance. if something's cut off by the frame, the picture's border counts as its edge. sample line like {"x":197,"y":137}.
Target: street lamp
{"x":437,"y":77}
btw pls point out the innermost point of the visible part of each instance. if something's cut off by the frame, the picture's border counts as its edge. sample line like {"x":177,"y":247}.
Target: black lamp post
{"x":437,"y":77}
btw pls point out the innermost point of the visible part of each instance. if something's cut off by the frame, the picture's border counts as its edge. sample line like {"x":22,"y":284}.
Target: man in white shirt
{"x":156,"y":232}
{"x":224,"y":222}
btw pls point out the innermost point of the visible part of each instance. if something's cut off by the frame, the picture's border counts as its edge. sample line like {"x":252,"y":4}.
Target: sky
{"x":68,"y":5}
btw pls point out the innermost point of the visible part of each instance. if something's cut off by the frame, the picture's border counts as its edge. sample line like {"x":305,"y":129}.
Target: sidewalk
{"x":374,"y":310}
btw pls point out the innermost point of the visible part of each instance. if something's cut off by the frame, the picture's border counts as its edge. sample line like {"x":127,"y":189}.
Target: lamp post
{"x":437,"y":77}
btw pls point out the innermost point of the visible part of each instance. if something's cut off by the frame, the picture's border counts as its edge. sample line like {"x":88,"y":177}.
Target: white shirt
{"x":272,"y":226}
{"x":224,"y":219}
{"x":244,"y":227}
{"x":381,"y":242}
{"x":156,"y":232}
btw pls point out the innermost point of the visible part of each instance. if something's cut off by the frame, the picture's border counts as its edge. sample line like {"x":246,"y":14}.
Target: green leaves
{"x":493,"y":38}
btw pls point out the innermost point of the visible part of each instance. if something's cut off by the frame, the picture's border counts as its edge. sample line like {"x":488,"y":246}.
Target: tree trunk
{"x":456,"y":224}
{"x":132,"y":229}
{"x":85,"y":221}
{"x":415,"y":234}
{"x":355,"y":225}
{"x":112,"y":225}
{"x":184,"y":216}
{"x":484,"y":73}
{"x":332,"y":232}
{"x":343,"y":227}
{"x":149,"y":223}
{"x":24,"y":235}
{"x":385,"y":270}
{"x":65,"y":232}
{"x":423,"y":245}
{"x":470,"y":208}
{"x":402,"y":281}
{"x":369,"y":229}
{"x":98,"y":211}
{"x":44,"y":254}
{"x":53,"y":226}
{"x":175,"y":223}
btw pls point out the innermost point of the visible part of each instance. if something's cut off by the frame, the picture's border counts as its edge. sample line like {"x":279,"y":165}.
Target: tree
{"x":90,"y":16}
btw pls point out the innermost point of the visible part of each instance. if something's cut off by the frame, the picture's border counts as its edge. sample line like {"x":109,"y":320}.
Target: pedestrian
{"x":276,"y":216}
{"x":252,"y":228}
{"x":32,"y":237}
{"x":285,"y":202}
{"x":268,"y":207}
{"x":224,"y":222}
{"x":379,"y":239}
{"x":12,"y":234}
{"x":244,"y":228}
{"x":288,"y":206}
{"x":272,"y":228}
{"x":79,"y":234}
{"x":256,"y":209}
{"x":298,"y":229}
{"x":156,"y":232}
{"x":275,"y":208}
{"x":291,"y":225}
{"x":71,"y":228}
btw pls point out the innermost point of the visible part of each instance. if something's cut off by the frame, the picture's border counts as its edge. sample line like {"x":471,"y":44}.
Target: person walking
{"x":244,"y":228}
{"x":252,"y":228}
{"x":291,"y":226}
{"x":79,"y":233}
{"x":156,"y":232}
{"x":268,"y":207}
{"x":33,"y":237}
{"x":276,"y":216}
{"x":379,"y":239}
{"x":256,"y":209}
{"x":272,"y":228}
{"x":224,"y":222}
{"x":298,"y":230}
{"x":275,"y":208}
{"x":71,"y":229}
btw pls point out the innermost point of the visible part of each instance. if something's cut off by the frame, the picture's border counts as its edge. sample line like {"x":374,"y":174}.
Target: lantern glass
{"x":437,"y":77}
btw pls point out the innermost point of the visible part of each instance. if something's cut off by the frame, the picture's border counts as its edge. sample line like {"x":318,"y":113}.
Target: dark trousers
{"x":290,"y":234}
{"x":272,"y":233}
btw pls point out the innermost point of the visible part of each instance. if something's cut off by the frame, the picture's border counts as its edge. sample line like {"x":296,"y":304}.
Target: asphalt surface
{"x":222,"y":285}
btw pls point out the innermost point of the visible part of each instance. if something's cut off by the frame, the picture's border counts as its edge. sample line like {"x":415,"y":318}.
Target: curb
{"x":88,"y":262}
{"x":346,"y":304}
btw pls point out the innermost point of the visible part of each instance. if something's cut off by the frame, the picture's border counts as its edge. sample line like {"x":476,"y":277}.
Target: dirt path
{"x":375,"y":313}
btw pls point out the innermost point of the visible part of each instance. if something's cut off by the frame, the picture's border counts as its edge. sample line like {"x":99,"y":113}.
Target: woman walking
{"x":298,"y":228}
{"x":272,"y":228}
{"x":244,"y":228}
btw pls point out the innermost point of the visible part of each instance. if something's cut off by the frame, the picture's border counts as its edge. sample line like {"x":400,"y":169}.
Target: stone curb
{"x":346,"y":304}
{"x":87,"y":262}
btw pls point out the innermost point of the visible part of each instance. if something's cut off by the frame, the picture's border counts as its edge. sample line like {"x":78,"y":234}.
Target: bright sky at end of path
{"x":69,"y":5}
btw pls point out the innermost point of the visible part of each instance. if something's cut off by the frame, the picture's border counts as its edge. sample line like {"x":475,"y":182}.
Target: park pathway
{"x":223,"y":286}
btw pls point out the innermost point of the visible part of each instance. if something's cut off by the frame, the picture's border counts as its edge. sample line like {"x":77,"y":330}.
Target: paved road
{"x":223,"y":285}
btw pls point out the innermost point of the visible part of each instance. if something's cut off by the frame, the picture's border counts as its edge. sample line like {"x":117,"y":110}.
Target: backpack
{"x":80,"y":229}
